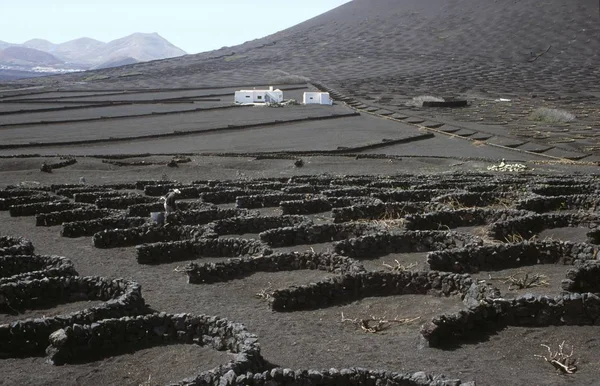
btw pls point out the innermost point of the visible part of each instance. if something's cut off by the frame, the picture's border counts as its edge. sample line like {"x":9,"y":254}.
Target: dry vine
{"x":374,"y":324}
{"x":561,"y":361}
{"x":265,"y":293}
{"x":527,"y":281}
{"x":400,"y":267}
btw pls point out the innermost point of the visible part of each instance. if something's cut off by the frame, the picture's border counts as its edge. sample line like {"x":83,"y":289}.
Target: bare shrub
{"x":545,"y":114}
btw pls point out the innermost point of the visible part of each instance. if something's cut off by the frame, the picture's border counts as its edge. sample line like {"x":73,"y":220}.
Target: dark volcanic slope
{"x":408,"y":45}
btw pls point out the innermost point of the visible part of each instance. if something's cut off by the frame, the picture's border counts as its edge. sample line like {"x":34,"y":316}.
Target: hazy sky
{"x":193,"y":25}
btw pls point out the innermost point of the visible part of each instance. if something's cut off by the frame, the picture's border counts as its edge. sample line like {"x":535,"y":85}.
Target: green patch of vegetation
{"x":547,"y":115}
{"x":234,"y":58}
{"x":92,"y":78}
{"x":130,"y":74}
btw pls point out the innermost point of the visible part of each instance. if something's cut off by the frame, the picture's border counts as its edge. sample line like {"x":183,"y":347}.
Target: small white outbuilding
{"x":259,"y":96}
{"x":319,"y":98}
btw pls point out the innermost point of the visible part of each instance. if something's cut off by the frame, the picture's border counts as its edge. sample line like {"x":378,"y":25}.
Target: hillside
{"x":417,"y":44}
{"x":22,"y":56}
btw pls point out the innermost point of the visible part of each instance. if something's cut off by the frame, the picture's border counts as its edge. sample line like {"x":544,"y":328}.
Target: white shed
{"x":259,"y":96}
{"x":320,"y":98}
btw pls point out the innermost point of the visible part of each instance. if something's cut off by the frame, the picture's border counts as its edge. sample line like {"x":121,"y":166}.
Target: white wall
{"x":320,"y":98}
{"x":258,"y":96}
{"x":244,"y":97}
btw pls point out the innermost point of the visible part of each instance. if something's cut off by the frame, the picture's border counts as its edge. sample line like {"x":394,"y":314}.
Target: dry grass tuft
{"x":545,"y":114}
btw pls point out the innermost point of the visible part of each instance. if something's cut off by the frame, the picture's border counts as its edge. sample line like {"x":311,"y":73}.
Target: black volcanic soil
{"x":308,"y":339}
{"x":378,"y":54}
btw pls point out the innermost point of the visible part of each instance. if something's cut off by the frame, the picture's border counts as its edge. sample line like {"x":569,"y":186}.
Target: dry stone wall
{"x":73,"y":215}
{"x":144,"y":234}
{"x":15,"y":268}
{"x":30,"y":337}
{"x":351,"y":287}
{"x":15,"y":246}
{"x":313,"y":234}
{"x":204,"y":273}
{"x":167,"y":252}
{"x":383,"y":243}
{"x":90,"y":227}
{"x":494,"y":257}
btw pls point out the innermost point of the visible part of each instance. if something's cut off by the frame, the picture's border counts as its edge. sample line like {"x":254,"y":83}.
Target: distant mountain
{"x":139,"y":46}
{"x":4,"y":45}
{"x":40,"y":44}
{"x":85,"y":53}
{"x":23,"y":56}
{"x":116,"y":63}
{"x":82,"y":51}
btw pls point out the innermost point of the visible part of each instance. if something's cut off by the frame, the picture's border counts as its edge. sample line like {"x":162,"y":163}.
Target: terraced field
{"x":375,"y":241}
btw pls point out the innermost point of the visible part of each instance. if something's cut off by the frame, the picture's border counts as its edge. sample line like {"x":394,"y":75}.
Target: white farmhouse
{"x":320,"y":98}
{"x":259,"y":96}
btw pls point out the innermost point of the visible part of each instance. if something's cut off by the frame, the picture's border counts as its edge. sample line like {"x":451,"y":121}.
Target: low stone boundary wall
{"x":141,"y":185}
{"x":70,"y":192}
{"x":265,"y":200}
{"x":145,"y":234}
{"x":30,"y":337}
{"x":593,"y":236}
{"x":353,"y":191}
{"x":384,"y":243}
{"x":553,"y":203}
{"x":344,"y":377}
{"x":83,"y":214}
{"x":15,"y":246}
{"x":116,"y":186}
{"x":528,"y":226}
{"x":187,"y":191}
{"x":81,"y":343}
{"x":92,"y":197}
{"x":388,"y":210}
{"x":201,"y":217}
{"x":167,"y":252}
{"x":90,"y":227}
{"x":394,"y":195}
{"x":348,"y":288}
{"x":314,"y":234}
{"x":62,"y":164}
{"x":305,"y":189}
{"x":306,"y":206}
{"x":564,"y":189}
{"x":475,"y":199}
{"x":461,"y":218}
{"x":12,"y":193}
{"x":228,"y":196}
{"x":254,"y":224}
{"x":6,"y":203}
{"x":503,"y":256}
{"x":124,"y":202}
{"x":144,"y":210}
{"x":206,"y":273}
{"x":42,"y":207}
{"x":583,"y":278}
{"x":491,"y":315}
{"x":29,"y":267}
